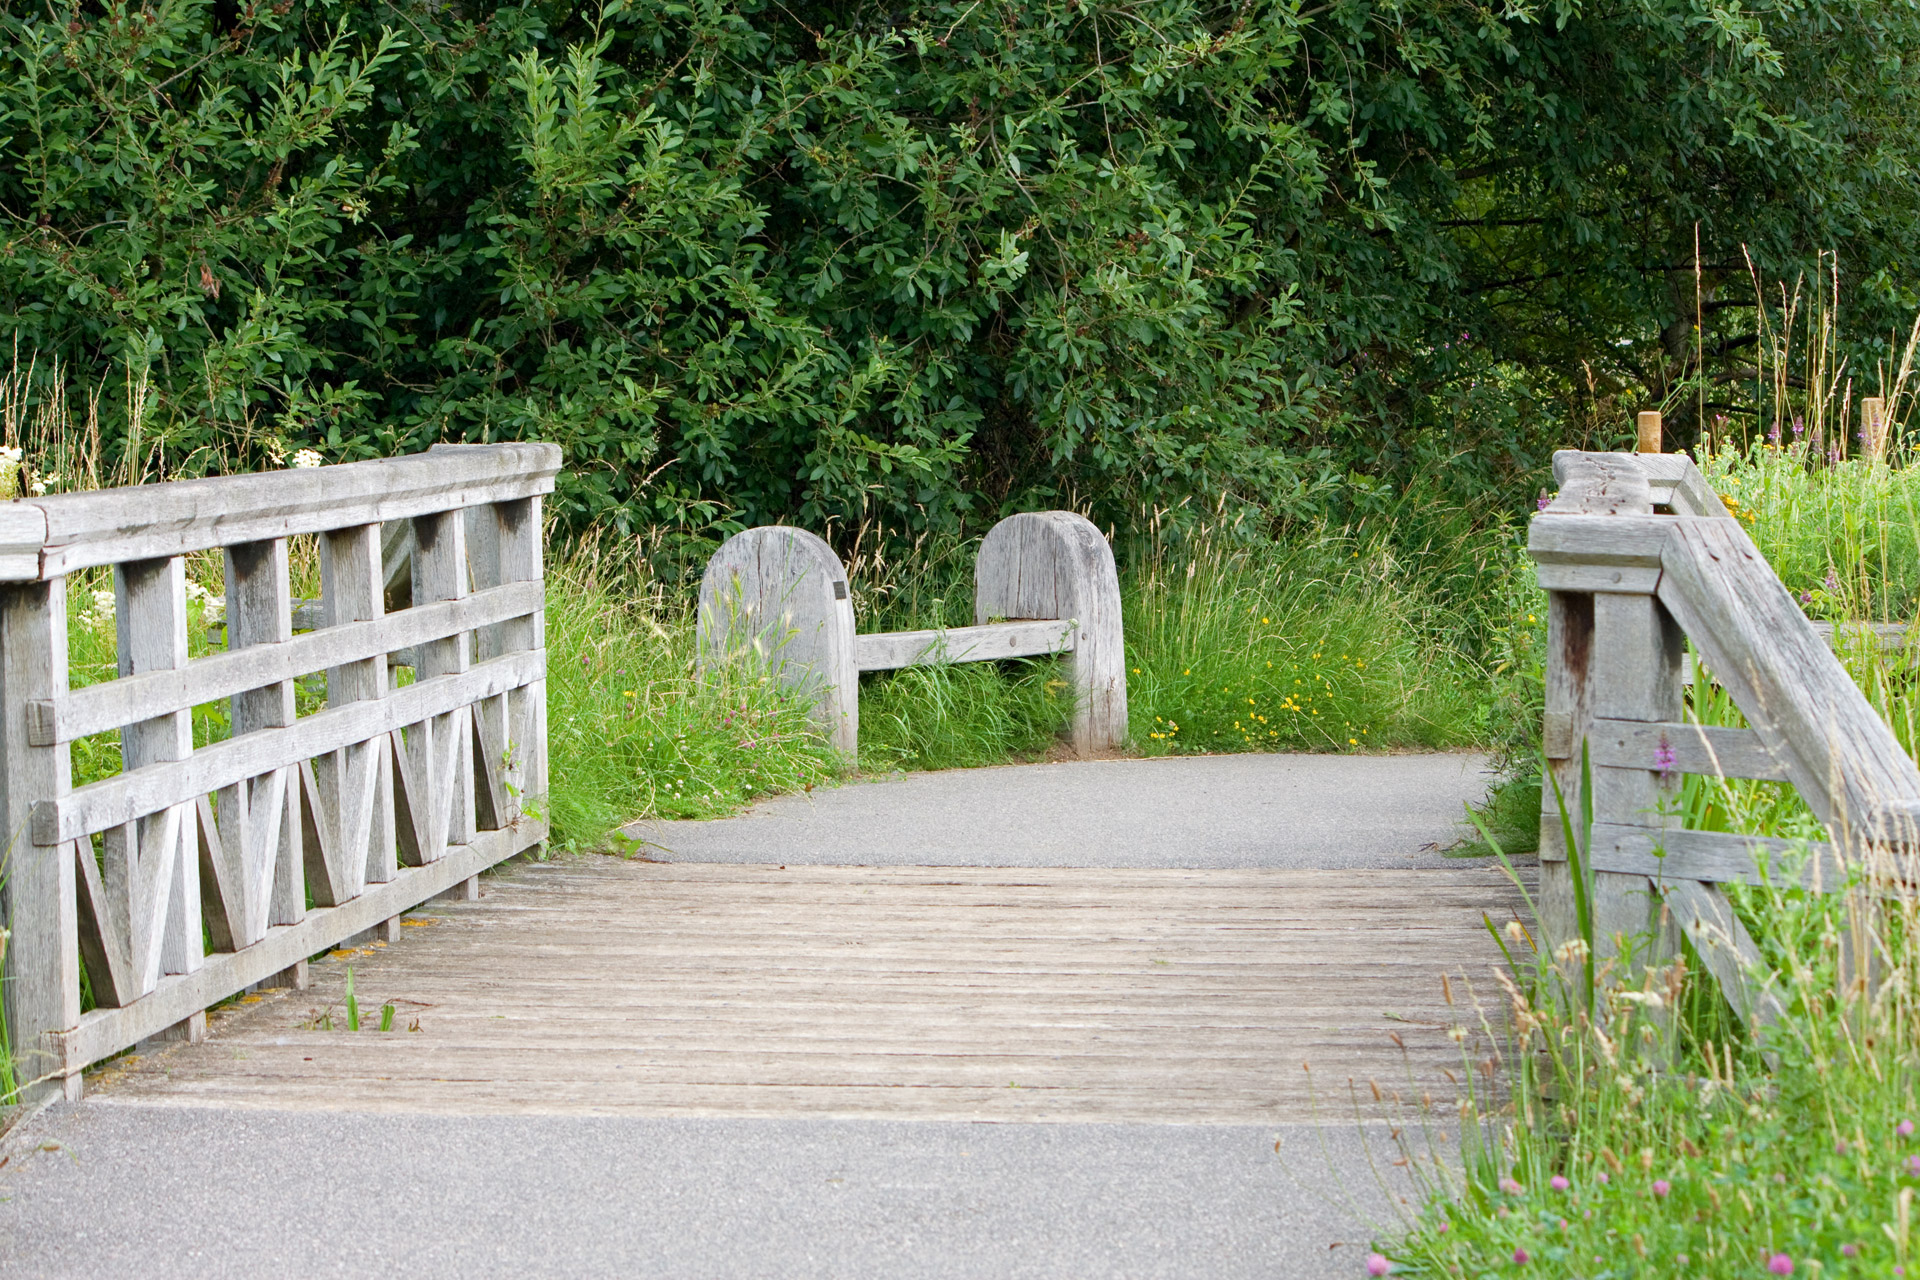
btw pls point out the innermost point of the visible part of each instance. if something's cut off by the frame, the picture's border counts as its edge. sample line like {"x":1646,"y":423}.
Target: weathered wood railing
{"x":1044,"y":583}
{"x":1626,"y":582}
{"x":388,"y":795}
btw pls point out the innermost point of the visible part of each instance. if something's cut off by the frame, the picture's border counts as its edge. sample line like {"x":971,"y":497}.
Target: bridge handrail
{"x":385,"y":797}
{"x":1625,"y":584}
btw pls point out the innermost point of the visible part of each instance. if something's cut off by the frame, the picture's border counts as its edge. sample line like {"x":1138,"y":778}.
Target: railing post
{"x":42,"y":989}
{"x":1567,"y":725}
{"x":776,"y":597}
{"x":1637,"y":648}
{"x":1057,"y":564}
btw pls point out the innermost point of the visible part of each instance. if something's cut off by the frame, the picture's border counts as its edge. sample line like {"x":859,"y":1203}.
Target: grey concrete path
{"x":139,"y":1188}
{"x":214,"y":1195}
{"x":1321,"y":812}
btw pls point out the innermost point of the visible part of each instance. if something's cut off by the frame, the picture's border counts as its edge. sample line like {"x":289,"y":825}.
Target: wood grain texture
{"x":1710,"y":750}
{"x":42,"y":988}
{"x":152,"y":521}
{"x":1782,"y":675}
{"x":890,"y":650}
{"x":599,"y":986}
{"x":1057,"y":564}
{"x":127,"y":796}
{"x":776,"y":598}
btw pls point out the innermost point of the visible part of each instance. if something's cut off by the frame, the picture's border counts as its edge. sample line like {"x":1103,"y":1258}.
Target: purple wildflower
{"x":1559,"y":1182}
{"x":1664,"y":758}
{"x":1780,"y":1265}
{"x":1377,"y":1265}
{"x":1806,"y":599}
{"x":1831,"y":583}
{"x":1661,"y":1186}
{"x":1545,"y":502}
{"x":1849,"y":1250}
{"x":1904,"y":1128}
{"x":1521,"y":1257}
{"x":1511,"y":1187}
{"x":1773,"y":436}
{"x":1604,"y":1179}
{"x":1840,"y":1148}
{"x":1913,"y":1165}
{"x":1797,"y":426}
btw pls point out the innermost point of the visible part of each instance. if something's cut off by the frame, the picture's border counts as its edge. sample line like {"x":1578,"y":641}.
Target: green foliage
{"x":852,"y":263}
{"x":631,"y":733}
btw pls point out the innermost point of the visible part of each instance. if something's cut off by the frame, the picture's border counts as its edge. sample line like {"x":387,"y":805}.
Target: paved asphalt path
{"x":109,"y":1188}
{"x":1325,"y":812}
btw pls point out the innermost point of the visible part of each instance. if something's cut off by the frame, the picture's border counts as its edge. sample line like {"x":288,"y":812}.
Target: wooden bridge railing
{"x":778,"y":596}
{"x":385,"y":796}
{"x":1635,"y":553}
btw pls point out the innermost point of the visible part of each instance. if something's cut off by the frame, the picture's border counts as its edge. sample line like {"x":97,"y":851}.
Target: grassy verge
{"x":1668,"y":1139}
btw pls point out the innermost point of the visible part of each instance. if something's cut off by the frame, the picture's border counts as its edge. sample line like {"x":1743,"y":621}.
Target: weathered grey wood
{"x":1722,"y":944}
{"x":1840,"y":755}
{"x":1676,"y":482}
{"x":154,"y":521}
{"x":776,"y":599}
{"x":1889,"y":637}
{"x":1056,"y":564}
{"x":351,"y":826}
{"x":102,"y":1032}
{"x":893,"y":649}
{"x":111,"y":703}
{"x":433,"y":774}
{"x":1565,"y":535}
{"x":121,"y":799}
{"x":23,"y":531}
{"x":140,"y":909}
{"x":1566,"y":727}
{"x":924,"y":992}
{"x":1689,"y":748}
{"x":258,"y":860}
{"x":518,"y":758}
{"x":1712,"y":856}
{"x":42,"y":988}
{"x":1600,"y":484}
{"x":1597,"y":577}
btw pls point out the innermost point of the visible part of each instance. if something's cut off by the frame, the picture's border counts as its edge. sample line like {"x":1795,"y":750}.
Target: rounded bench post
{"x":776,"y":598}
{"x":1056,"y":564}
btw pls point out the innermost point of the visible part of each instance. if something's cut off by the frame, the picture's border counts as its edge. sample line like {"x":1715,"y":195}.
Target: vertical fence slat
{"x":524,"y":753}
{"x":42,"y":989}
{"x":151,"y":871}
{"x":437,"y":760}
{"x":354,"y":786}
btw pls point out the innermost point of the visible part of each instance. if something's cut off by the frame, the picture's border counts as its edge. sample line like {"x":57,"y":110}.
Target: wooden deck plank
{"x":596,"y":986}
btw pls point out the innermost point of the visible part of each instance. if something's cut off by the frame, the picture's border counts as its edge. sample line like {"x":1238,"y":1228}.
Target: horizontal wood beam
{"x":112,"y":703}
{"x":1024,"y":639}
{"x":135,"y":794}
{"x":1690,"y":748}
{"x":1716,"y":857}
{"x":151,"y":521}
{"x":107,"y":1031}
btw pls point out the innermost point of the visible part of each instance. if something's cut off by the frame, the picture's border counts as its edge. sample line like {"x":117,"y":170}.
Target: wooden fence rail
{"x":1044,"y":583}
{"x":296,"y":831}
{"x":1627,"y":584}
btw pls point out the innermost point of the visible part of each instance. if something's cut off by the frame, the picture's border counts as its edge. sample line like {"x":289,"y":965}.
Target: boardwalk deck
{"x":598,"y":986}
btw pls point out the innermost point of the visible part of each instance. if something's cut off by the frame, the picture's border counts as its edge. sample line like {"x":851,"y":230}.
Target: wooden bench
{"x":1044,"y":583}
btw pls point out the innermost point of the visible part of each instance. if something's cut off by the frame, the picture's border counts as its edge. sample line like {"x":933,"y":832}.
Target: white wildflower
{"x":308,"y":458}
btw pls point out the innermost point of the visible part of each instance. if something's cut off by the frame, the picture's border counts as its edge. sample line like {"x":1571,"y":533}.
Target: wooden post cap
{"x":1649,"y":423}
